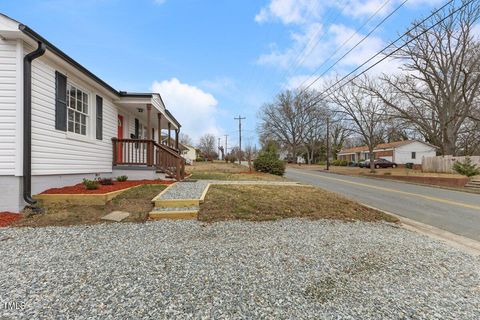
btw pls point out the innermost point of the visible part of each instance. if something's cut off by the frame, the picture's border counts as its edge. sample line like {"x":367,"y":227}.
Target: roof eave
{"x":35,"y":36}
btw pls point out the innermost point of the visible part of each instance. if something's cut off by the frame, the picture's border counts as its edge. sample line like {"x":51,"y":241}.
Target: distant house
{"x":189,"y":153}
{"x":60,"y":123}
{"x":400,"y":152}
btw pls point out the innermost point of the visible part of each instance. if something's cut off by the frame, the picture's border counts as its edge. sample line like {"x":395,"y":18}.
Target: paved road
{"x":453,"y":211}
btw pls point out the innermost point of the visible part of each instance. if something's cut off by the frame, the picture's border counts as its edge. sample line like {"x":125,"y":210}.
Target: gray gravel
{"x":289,"y":269}
{"x":186,"y":190}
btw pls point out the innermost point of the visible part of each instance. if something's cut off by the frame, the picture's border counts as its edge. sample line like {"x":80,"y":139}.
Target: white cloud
{"x":194,"y":108}
{"x":290,"y":11}
{"x":222,"y":85}
{"x":359,"y":8}
{"x":311,"y":48}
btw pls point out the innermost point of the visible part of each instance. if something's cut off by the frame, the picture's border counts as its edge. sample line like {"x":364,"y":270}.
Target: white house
{"x":189,"y":153}
{"x":400,"y":152}
{"x":59,"y":123}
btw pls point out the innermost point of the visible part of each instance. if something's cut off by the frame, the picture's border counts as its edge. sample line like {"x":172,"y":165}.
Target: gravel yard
{"x":284,"y":269}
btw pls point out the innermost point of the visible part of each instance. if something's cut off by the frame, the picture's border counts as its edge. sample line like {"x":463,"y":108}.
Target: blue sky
{"x":212,"y":60}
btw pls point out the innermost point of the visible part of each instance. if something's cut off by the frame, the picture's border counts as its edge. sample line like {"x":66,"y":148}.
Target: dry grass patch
{"x":356,"y":171}
{"x":137,"y":201}
{"x":227,"y":171}
{"x":259,"y":203}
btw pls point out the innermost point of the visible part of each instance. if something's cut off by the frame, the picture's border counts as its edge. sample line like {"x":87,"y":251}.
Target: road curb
{"x":459,"y":242}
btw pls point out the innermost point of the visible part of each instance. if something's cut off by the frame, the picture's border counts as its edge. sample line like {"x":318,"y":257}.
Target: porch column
{"x":149,"y":136}
{"x":159,"y":117}
{"x":169,"y":135}
{"x":176,"y":138}
{"x":149,"y":122}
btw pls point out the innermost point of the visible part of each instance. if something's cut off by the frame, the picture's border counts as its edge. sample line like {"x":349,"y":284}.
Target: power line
{"x":399,"y":48}
{"x":240,"y":137}
{"x":357,"y":44}
{"x":303,"y":55}
{"x":345,"y":42}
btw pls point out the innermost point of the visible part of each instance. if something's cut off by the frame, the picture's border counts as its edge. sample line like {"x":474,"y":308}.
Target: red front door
{"x":120,"y":136}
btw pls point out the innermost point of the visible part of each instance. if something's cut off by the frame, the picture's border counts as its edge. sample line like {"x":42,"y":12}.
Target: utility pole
{"x":240,"y":138}
{"x":328,"y":143}
{"x":226,"y":146}
{"x":218,"y":148}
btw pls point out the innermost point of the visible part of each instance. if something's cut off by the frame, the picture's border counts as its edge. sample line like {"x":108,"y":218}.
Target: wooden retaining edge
{"x":82,"y":199}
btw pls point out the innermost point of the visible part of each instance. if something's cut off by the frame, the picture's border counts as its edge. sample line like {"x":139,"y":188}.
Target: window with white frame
{"x":77,"y":105}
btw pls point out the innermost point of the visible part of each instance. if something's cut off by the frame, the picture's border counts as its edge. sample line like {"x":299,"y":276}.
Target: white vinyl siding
{"x":55,"y":151}
{"x":403,"y":154}
{"x":8,"y":102}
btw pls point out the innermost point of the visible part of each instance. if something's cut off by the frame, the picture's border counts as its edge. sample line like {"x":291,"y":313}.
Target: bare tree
{"x":185,"y":139}
{"x":365,"y":111}
{"x":437,"y":91}
{"x":287,"y":119}
{"x":339,"y":132}
{"x":207,"y":146}
{"x":314,"y":138}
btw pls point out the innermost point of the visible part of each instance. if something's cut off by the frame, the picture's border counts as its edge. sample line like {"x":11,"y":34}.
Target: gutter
{"x":27,"y":121}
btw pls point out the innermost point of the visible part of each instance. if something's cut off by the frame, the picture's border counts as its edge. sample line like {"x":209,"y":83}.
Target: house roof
{"x":354,"y":149}
{"x":388,"y":145}
{"x":394,"y":144}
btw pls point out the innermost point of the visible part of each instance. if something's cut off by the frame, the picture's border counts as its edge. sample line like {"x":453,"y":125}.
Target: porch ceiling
{"x":138,"y":107}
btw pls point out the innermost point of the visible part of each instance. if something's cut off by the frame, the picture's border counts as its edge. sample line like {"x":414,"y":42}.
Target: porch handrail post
{"x":149,"y":153}
{"x":114,"y":151}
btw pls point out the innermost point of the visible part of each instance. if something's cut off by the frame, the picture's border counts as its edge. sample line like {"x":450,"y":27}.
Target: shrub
{"x":105,"y":181}
{"x":122,"y":178}
{"x":90,"y":184}
{"x":268,"y":164}
{"x":322,"y":163}
{"x":466,"y":168}
{"x":338,"y":162}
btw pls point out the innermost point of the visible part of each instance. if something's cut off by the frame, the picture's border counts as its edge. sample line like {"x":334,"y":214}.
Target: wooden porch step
{"x":183,"y":213}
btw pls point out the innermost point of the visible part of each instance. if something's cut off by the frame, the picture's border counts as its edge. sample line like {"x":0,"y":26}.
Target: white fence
{"x":443,"y":164}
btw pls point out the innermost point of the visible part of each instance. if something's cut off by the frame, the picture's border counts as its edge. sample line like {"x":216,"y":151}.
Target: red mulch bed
{"x":7,"y":218}
{"x":80,"y":188}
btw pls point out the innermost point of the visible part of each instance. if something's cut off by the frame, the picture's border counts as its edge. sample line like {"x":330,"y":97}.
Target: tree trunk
{"x":372,"y":161}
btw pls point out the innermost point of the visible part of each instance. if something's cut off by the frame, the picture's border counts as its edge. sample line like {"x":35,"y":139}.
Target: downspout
{"x":27,"y":121}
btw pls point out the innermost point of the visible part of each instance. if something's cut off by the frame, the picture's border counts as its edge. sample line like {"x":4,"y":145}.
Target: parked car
{"x":379,"y":163}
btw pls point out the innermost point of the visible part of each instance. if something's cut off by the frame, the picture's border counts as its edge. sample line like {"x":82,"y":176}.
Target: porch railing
{"x":140,"y":152}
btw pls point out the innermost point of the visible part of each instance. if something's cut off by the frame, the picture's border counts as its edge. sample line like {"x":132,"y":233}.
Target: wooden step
{"x":472,"y":186}
{"x":182,"y":213}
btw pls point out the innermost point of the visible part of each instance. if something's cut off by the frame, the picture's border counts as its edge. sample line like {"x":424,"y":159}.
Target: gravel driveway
{"x":286,"y":269}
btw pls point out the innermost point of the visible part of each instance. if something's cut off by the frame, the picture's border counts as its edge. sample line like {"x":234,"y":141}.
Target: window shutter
{"x":137,"y":128}
{"x":99,"y":122}
{"x":60,"y":101}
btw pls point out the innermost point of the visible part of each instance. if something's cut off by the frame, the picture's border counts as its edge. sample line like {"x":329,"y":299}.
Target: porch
{"x":147,"y":136}
{"x":147,"y":153}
